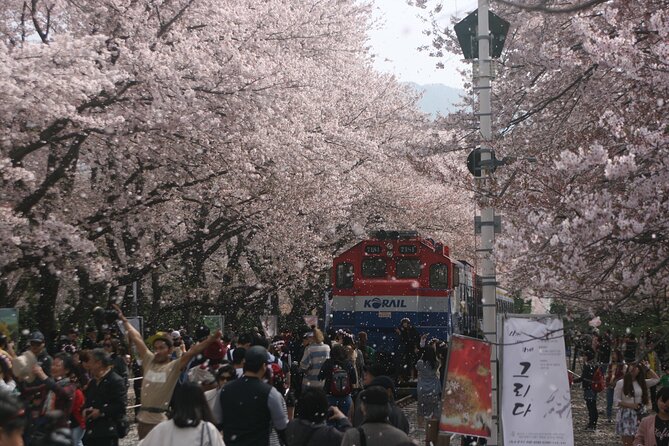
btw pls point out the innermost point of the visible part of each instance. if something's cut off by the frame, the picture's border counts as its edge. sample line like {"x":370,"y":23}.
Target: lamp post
{"x":476,"y":40}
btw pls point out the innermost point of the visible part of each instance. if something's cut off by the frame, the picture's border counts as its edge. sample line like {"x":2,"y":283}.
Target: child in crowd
{"x":654,"y":430}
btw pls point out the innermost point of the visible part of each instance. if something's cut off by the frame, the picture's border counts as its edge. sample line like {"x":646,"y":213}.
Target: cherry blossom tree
{"x":209,"y":151}
{"x":583,"y":88}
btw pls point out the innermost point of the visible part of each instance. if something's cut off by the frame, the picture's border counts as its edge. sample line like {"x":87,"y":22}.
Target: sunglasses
{"x":106,"y":345}
{"x":224,"y":378}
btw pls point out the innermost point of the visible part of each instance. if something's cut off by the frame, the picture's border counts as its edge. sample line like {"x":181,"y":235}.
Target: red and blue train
{"x":398,"y":274}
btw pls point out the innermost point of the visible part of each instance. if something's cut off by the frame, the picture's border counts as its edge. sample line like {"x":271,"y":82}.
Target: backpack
{"x":278,"y":376}
{"x":340,"y":383}
{"x":598,"y":382}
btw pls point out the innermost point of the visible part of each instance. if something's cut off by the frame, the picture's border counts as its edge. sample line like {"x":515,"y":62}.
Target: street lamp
{"x":477,"y":34}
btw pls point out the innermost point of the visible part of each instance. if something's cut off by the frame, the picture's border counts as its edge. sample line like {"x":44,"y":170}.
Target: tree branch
{"x":165,"y":27}
{"x":59,"y":172}
{"x":552,"y":10}
{"x":552,"y":99}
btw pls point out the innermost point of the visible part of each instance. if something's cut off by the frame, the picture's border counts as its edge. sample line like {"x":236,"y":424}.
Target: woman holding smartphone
{"x":631,"y":397}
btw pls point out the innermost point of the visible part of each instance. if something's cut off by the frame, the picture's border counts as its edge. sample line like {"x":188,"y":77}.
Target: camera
{"x":102,"y":316}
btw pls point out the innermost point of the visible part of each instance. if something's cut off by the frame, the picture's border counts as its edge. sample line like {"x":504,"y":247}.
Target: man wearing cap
{"x":251,"y":407}
{"x":160,"y":374}
{"x":179,"y":348}
{"x":32,"y":389}
{"x":396,"y":416}
{"x":245,"y":340}
{"x":37,"y":343}
{"x":375,"y":431}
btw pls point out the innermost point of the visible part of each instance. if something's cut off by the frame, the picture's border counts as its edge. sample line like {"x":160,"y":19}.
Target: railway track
{"x":405,"y":401}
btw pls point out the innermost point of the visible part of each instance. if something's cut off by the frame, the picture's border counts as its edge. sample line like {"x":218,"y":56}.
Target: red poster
{"x":466,"y":406}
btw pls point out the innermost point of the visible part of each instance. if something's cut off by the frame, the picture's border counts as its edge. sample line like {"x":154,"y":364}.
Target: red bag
{"x":340,"y":384}
{"x":598,"y":381}
{"x":278,"y":377}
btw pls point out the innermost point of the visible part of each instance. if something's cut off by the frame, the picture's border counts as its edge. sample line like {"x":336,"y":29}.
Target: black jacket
{"x":246,"y":416}
{"x":587,"y":376}
{"x":110,"y":397}
{"x":396,"y":417}
{"x":305,"y":433}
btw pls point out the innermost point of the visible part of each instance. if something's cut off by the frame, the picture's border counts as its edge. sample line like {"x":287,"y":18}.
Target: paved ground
{"x":604,"y":436}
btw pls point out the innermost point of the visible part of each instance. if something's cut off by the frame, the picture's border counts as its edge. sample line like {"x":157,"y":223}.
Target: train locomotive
{"x":398,"y":274}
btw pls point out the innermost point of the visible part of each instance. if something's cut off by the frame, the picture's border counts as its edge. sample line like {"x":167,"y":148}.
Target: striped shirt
{"x":312,"y":360}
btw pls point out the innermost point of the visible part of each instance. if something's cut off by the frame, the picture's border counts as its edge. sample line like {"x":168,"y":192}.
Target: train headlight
{"x":389,"y":245}
{"x":389,"y":253}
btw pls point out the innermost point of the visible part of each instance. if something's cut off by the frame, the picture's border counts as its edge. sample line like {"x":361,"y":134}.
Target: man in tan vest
{"x":160,"y":373}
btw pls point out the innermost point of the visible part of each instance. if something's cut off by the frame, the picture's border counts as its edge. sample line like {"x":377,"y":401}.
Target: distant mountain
{"x":438,"y":98}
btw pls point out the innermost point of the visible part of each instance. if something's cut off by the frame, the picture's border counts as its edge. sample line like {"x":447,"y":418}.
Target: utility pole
{"x":488,"y":275}
{"x":135,"y":311}
{"x":479,"y":43}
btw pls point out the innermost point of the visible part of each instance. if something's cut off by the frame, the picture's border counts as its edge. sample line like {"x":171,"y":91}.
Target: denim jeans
{"x":77,"y":435}
{"x":342,"y":402}
{"x":609,"y":402}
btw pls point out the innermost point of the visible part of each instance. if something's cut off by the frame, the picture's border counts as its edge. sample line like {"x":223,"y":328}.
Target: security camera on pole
{"x":476,"y":40}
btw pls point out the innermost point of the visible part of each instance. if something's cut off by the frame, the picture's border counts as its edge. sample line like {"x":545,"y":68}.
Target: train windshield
{"x":439,"y":276}
{"x":345,"y":275}
{"x":375,"y":267}
{"x":408,"y":268}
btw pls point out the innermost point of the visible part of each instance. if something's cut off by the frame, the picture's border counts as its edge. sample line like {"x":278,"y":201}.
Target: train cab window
{"x":407,"y":268}
{"x":345,"y":275}
{"x":456,"y":276}
{"x":439,"y":276}
{"x":374,"y":267}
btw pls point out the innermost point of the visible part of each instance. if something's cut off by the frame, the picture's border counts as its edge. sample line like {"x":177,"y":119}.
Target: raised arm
{"x":197,"y":349}
{"x":133,"y":335}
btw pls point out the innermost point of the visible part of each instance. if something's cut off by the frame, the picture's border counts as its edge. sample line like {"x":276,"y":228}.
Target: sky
{"x":400,"y":32}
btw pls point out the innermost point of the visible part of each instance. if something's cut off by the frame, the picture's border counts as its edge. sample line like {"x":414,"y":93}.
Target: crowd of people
{"x":297,"y":389}
{"x":633,"y":374}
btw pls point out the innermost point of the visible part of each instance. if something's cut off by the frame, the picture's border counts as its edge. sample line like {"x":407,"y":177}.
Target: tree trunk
{"x":157,"y":293}
{"x":46,"y":306}
{"x":91,"y":294}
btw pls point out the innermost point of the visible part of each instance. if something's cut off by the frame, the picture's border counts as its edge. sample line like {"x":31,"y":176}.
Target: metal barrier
{"x":130,"y":380}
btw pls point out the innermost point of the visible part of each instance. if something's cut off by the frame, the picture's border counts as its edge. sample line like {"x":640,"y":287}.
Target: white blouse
{"x":618,"y":396}
{"x":167,"y":433}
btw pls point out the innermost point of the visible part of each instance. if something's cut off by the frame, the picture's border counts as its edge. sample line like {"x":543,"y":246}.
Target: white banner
{"x":536,"y":404}
{"x":270,"y":325}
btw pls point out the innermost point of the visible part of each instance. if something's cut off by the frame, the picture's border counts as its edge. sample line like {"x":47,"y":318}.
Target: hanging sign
{"x":536,"y":404}
{"x":270,"y":325}
{"x":213,"y":322}
{"x":466,"y":406}
{"x":137,"y":323}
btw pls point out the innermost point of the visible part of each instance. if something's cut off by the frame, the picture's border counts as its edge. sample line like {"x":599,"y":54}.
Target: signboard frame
{"x":214,"y":322}
{"x":10,"y":317}
{"x":459,"y":373}
{"x":551,"y":412}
